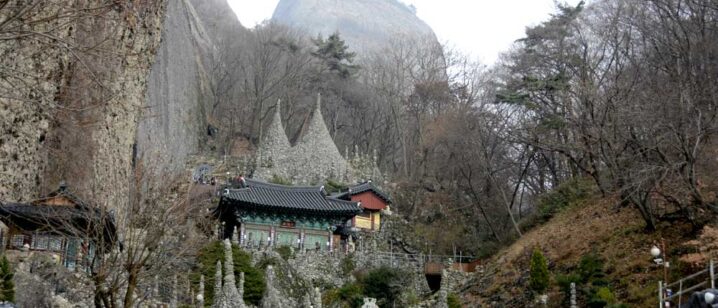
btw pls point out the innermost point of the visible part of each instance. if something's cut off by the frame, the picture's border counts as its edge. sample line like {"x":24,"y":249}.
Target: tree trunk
{"x":131,"y":286}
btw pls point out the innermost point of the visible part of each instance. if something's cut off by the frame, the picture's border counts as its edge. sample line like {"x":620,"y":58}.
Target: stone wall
{"x":313,"y":160}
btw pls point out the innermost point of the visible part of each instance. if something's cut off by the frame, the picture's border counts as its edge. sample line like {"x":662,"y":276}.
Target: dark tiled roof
{"x":272,"y":197}
{"x":74,"y":220}
{"x":367,"y":186}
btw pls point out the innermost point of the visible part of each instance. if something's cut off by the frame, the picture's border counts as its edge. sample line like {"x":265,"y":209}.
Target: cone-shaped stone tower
{"x":318,"y":147}
{"x":274,"y":141}
{"x":313,"y":159}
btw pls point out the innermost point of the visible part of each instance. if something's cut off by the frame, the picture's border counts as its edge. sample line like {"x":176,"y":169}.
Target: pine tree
{"x":336,"y":55}
{"x":7,"y":287}
{"x":539,"y":272}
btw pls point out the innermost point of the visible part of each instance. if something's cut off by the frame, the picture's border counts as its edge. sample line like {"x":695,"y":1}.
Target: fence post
{"x":713,"y":278}
{"x":660,"y":294}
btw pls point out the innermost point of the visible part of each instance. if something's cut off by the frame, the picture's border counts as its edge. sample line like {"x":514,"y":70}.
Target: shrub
{"x":347,"y":266}
{"x":590,"y":269}
{"x":276,"y":179}
{"x":350,"y":295}
{"x":452,"y":300}
{"x":254,"y":283}
{"x":266,"y":261}
{"x":564,"y":282}
{"x":539,"y":275}
{"x":285,"y":252}
{"x":7,"y":287}
{"x":384,"y":284}
{"x":590,"y":279}
{"x":334,"y":187}
{"x":601,"y":297}
{"x":564,"y":195}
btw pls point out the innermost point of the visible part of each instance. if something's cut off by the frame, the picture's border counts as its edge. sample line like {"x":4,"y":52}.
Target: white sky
{"x":480,"y":28}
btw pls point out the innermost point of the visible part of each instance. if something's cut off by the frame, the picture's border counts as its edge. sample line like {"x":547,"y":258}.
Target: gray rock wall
{"x":70,"y":112}
{"x":173,"y":122}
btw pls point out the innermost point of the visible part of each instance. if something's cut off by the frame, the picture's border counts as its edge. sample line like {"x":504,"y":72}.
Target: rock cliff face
{"x":365,"y":24}
{"x":74,"y":79}
{"x":179,"y":95}
{"x":92,"y":86}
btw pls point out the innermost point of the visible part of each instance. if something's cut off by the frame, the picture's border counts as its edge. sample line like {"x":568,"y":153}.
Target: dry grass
{"x":598,"y":225}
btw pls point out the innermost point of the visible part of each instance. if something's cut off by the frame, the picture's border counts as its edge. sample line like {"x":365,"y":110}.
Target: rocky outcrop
{"x":365,"y":24}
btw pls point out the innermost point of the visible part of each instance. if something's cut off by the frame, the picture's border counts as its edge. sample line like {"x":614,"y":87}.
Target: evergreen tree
{"x":336,"y":55}
{"x":539,"y":272}
{"x":7,"y":287}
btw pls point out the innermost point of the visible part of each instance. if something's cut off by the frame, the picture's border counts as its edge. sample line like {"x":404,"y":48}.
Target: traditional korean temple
{"x":279,"y":215}
{"x":60,"y":224}
{"x":372,"y":201}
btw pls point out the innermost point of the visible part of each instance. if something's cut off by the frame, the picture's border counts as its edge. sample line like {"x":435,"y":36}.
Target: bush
{"x":7,"y":287}
{"x":384,"y":284}
{"x":452,"y":300}
{"x":539,"y":275}
{"x":334,"y":187}
{"x":266,"y":261}
{"x":590,"y":269}
{"x":564,"y":195}
{"x":254,"y":283}
{"x":602,"y":298}
{"x":276,"y":179}
{"x":347,"y":266}
{"x":285,"y":252}
{"x":590,"y":279}
{"x":350,"y":295}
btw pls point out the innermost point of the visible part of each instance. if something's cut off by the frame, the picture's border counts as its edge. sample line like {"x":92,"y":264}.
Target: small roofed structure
{"x":59,"y":224}
{"x":372,"y":199}
{"x":268,"y":214}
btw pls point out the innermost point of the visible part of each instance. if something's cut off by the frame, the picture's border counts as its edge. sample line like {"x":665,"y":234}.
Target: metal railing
{"x":699,"y":280}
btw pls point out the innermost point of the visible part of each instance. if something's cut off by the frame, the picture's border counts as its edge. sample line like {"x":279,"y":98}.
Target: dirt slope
{"x":599,"y":225}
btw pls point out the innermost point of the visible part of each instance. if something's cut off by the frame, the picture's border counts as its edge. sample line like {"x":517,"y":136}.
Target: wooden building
{"x":59,"y":224}
{"x":278,"y":215}
{"x":372,"y":201}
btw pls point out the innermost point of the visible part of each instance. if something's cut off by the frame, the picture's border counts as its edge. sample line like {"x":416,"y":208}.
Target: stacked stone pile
{"x":314,"y":159}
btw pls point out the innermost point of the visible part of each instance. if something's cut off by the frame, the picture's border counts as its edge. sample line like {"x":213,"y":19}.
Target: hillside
{"x":615,"y":234}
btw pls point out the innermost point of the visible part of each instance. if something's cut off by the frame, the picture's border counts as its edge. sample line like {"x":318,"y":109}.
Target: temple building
{"x":60,"y":225}
{"x":373,"y":201}
{"x":267,"y":214}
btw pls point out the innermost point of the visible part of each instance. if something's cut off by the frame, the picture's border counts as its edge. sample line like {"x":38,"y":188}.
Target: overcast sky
{"x":481,"y":28}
